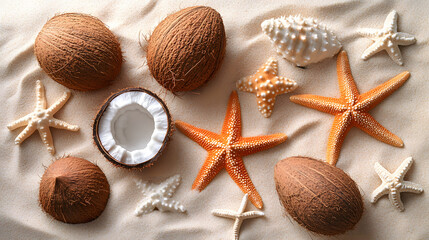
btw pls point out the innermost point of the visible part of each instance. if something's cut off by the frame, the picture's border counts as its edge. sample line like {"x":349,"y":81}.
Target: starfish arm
{"x":374,"y":48}
{"x":379,"y":192}
{"x":348,"y":89}
{"x":214,"y":162}
{"x":339,"y":130}
{"x":395,"y":199}
{"x":402,"y":170}
{"x":243,"y":203}
{"x":272,"y":65}
{"x":285,"y":85}
{"x":372,"y":98}
{"x":206,"y":139}
{"x":232,"y":124}
{"x":144,"y":207}
{"x":236,"y":228}
{"x":369,"y":32}
{"x":58,"y":104}
{"x":46,"y":136}
{"x":390,"y":24}
{"x":411,"y":187}
{"x":236,"y":169}
{"x":31,"y":127}
{"x":251,"y":145}
{"x":246,"y":84}
{"x":265,"y":106}
{"x":395,"y":54}
{"x":368,"y":124}
{"x":144,"y":186}
{"x":224,"y":213}
{"x":382,"y":172}
{"x":56,"y":123}
{"x":170,"y":185}
{"x":404,"y":39}
{"x":40,"y":96}
{"x":322,"y":104}
{"x":170,"y":205}
{"x":20,"y":122}
{"x":252,"y":214}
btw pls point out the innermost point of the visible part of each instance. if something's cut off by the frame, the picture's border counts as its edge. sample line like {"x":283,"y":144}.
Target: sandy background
{"x":405,"y":113}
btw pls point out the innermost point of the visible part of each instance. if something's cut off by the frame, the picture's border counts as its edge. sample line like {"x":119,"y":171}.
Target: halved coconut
{"x":132,"y":128}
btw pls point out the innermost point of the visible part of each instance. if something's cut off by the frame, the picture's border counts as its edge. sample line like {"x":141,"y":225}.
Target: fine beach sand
{"x":405,"y":113}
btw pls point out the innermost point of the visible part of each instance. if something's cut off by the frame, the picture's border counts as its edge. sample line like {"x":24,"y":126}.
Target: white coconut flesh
{"x":133,"y":127}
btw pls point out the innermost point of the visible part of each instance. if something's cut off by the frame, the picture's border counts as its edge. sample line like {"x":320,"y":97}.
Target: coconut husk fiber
{"x":78,"y":51}
{"x":320,"y":197}
{"x":73,"y":190}
{"x":187,"y":48}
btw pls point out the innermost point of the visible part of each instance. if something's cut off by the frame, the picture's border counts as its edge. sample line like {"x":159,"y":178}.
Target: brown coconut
{"x":73,"y":190}
{"x":78,"y":51}
{"x":320,"y":197}
{"x":186,"y":48}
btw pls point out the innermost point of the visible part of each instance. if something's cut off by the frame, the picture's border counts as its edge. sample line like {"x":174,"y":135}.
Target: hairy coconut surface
{"x":320,"y":197}
{"x":73,"y":190}
{"x":186,"y":48}
{"x":78,"y":51}
{"x":123,"y":157}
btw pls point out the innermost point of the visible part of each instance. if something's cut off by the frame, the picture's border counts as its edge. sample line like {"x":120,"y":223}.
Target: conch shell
{"x":301,"y":40}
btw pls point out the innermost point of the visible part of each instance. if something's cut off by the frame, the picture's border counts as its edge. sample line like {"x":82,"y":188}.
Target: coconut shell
{"x":96,"y":136}
{"x":186,"y":48}
{"x":78,"y":51}
{"x":73,"y":190}
{"x":320,"y":197}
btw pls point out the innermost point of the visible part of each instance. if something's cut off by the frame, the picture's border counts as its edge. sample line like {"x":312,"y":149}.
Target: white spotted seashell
{"x":301,"y":40}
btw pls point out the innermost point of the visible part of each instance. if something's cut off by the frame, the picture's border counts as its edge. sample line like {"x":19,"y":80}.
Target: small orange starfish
{"x":351,"y":109}
{"x":267,"y":85}
{"x":225,"y":150}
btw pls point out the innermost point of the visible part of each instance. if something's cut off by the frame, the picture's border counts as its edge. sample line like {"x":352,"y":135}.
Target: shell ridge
{"x":301,"y":40}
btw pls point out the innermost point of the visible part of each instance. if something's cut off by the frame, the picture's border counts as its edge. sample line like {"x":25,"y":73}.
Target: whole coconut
{"x":78,"y":51}
{"x":320,"y":197}
{"x":186,"y":48}
{"x":73,"y":190}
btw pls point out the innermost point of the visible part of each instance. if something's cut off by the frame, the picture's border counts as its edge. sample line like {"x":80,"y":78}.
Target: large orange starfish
{"x":351,"y":109}
{"x":225,"y":150}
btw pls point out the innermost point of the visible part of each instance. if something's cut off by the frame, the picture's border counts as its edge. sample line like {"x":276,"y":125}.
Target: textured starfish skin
{"x":159,"y":196}
{"x":239,"y":216}
{"x":267,"y":85}
{"x":388,"y":38}
{"x":393,"y":184}
{"x":227,"y":149}
{"x":41,"y":119}
{"x":351,"y":109}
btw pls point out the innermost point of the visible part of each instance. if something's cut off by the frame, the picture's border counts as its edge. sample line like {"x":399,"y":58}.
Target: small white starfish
{"x":388,"y":38}
{"x":159,"y":196}
{"x":393,"y":184}
{"x":41,"y":119}
{"x":238,"y":216}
